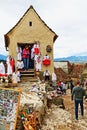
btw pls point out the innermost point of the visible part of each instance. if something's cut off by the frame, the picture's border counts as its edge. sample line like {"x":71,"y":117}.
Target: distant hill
{"x":3,"y":57}
{"x":73,"y":59}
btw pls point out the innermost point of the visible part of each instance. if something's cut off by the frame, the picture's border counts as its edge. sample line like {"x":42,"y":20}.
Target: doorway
{"x":30,"y":45}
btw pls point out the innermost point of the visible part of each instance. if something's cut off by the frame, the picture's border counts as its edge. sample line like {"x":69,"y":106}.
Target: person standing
{"x":25,"y":56}
{"x":78,"y":93}
{"x":71,"y":86}
{"x":46,"y":75}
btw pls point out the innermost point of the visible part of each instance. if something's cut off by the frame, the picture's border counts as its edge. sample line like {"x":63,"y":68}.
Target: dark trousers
{"x":47,"y":78}
{"x":77,"y":102}
{"x":31,"y":63}
{"x":26,"y":63}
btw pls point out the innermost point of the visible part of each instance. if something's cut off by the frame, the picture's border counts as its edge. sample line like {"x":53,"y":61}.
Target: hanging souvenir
{"x":46,"y":60}
{"x":36,"y":49}
{"x":48,"y":48}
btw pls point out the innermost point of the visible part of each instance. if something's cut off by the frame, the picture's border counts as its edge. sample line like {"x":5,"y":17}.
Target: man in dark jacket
{"x":78,"y":93}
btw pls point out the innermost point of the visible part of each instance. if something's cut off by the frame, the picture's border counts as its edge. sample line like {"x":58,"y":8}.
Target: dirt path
{"x":59,"y":119}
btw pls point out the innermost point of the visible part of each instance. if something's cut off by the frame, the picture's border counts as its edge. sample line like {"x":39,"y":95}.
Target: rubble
{"x":57,"y":119}
{"x":50,"y":113}
{"x":63,"y":119}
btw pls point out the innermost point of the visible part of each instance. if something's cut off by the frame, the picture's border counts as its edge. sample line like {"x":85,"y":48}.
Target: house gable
{"x":30,"y":25}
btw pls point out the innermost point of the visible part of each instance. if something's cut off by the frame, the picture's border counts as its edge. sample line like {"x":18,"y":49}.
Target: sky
{"x":67,"y":18}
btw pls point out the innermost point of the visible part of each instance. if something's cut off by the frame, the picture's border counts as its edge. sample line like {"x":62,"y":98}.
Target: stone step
{"x":31,"y":79}
{"x":28,"y":73}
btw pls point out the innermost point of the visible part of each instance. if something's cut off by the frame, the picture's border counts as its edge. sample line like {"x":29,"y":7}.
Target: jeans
{"x":77,"y":102}
{"x":26,"y":63}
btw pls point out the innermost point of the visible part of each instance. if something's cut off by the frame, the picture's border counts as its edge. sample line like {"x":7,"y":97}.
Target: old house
{"x":29,"y":30}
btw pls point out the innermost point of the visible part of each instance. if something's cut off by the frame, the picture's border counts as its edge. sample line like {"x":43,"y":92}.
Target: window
{"x":30,"y":23}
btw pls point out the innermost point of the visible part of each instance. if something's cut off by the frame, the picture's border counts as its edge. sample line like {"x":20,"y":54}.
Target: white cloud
{"x":66,"y":17}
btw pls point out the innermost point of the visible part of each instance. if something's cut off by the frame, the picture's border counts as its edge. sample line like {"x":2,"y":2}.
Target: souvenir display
{"x":38,"y":62}
{"x":9,"y":103}
{"x":2,"y":68}
{"x":19,"y":53}
{"x":9,"y":65}
{"x":36,"y":48}
{"x":46,"y":60}
{"x":28,"y":117}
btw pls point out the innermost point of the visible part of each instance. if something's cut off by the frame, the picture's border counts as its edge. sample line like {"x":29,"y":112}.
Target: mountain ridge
{"x":3,"y":57}
{"x":73,"y":59}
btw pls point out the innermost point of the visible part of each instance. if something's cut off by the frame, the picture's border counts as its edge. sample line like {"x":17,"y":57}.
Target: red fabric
{"x":46,"y":62}
{"x":12,"y":62}
{"x":36,"y":51}
{"x":25,"y":53}
{"x":59,"y":83}
{"x":3,"y":74}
